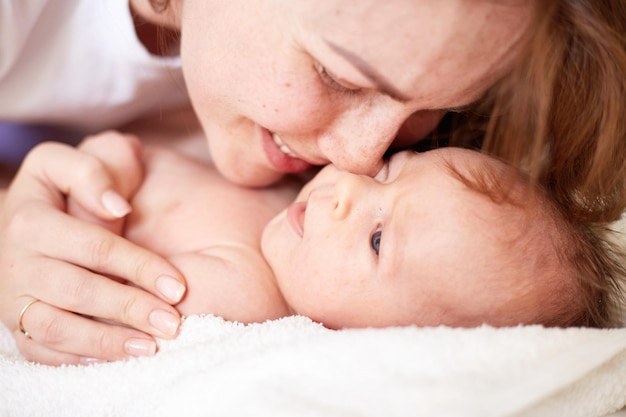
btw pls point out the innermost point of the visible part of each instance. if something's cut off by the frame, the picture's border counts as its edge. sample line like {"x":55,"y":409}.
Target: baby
{"x":445,"y":237}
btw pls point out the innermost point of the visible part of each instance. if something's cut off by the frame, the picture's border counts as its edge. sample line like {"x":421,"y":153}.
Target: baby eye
{"x":331,"y":82}
{"x":375,"y":240}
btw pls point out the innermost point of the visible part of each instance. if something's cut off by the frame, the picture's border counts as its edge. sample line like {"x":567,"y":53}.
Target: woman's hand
{"x":66,"y":263}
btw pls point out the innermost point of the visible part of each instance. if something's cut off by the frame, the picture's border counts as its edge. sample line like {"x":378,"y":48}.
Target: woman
{"x":279,"y":86}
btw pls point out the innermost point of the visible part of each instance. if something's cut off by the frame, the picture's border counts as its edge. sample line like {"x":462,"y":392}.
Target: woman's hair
{"x":560,"y":114}
{"x":560,"y":117}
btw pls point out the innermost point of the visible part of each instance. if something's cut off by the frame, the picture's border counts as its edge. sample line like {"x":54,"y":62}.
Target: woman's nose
{"x":359,"y":155}
{"x":357,"y":139}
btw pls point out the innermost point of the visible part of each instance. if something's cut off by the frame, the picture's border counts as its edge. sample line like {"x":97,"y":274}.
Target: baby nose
{"x":349,"y":190}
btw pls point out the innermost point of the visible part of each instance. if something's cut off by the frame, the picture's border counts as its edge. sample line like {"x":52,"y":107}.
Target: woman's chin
{"x":249,"y":175}
{"x":256,"y":181}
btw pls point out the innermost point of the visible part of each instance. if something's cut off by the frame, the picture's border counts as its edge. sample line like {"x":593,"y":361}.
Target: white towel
{"x":293,"y":367}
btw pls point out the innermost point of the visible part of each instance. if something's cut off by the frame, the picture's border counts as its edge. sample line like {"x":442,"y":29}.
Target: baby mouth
{"x":283,"y":148}
{"x":295,"y":216}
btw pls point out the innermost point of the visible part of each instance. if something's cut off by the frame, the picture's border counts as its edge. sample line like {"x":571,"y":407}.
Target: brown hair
{"x":560,"y":114}
{"x":586,"y":267}
{"x":597,"y":265}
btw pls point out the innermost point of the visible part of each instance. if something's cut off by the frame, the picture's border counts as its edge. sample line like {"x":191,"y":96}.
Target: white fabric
{"x":293,"y":367}
{"x":79,"y":63}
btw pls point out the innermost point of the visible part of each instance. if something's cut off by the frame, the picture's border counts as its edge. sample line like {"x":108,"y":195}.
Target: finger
{"x":121,"y":155}
{"x":88,"y":180}
{"x":36,"y":352}
{"x":92,"y":247}
{"x":78,"y":290}
{"x":76,"y":337}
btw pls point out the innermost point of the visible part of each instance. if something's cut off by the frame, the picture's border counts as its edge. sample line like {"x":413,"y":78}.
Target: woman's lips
{"x":283,"y":161}
{"x":295,"y":217}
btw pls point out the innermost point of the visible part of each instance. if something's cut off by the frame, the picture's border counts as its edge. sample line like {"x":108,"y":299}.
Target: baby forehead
{"x":462,"y":158}
{"x":467,"y":196}
{"x":473,"y":170}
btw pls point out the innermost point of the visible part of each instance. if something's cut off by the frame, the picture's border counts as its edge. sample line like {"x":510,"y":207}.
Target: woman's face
{"x":280,"y":85}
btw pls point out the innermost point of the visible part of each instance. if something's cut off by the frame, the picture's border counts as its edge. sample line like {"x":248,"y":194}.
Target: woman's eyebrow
{"x":369,"y":72}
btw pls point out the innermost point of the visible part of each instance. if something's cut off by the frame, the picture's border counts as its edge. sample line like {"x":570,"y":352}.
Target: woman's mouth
{"x":284,"y":148}
{"x":282,"y":158}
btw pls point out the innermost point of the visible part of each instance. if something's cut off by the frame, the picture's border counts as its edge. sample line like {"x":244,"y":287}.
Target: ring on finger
{"x":20,"y":324}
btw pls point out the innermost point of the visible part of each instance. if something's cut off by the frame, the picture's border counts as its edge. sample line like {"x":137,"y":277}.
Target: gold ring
{"x":20,"y":325}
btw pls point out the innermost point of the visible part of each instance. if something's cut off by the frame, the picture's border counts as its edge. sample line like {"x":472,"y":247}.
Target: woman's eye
{"x":330,"y":81}
{"x":375,"y":240}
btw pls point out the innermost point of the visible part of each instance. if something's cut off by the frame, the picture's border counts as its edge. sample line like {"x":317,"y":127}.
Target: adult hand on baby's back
{"x":65,"y":263}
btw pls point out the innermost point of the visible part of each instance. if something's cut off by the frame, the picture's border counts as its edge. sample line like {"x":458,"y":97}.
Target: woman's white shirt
{"x":78,"y":63}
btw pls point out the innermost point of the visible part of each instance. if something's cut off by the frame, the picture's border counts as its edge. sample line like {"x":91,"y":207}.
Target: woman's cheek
{"x":295,"y":108}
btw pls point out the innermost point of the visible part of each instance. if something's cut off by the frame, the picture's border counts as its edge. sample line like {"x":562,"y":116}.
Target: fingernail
{"x":165,"y":322}
{"x":170,"y":288}
{"x":140,"y":347}
{"x":115,"y":203}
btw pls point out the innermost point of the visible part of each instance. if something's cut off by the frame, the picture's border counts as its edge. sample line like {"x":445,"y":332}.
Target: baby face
{"x":412,"y":245}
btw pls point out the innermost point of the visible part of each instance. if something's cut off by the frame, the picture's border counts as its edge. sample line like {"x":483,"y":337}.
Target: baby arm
{"x":210,"y":229}
{"x":231,"y":281}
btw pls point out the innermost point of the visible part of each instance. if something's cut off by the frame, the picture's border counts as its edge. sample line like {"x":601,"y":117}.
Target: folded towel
{"x":294,"y":366}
